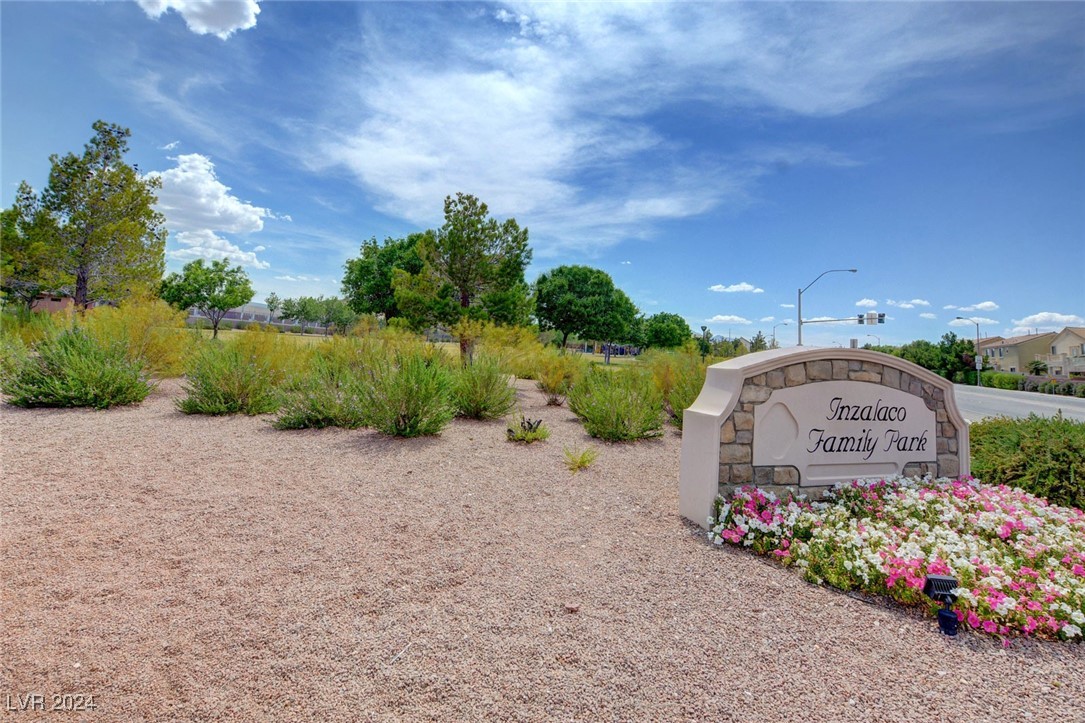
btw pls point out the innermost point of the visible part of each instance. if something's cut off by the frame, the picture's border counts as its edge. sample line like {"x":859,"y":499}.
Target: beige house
{"x":1014,"y":354}
{"x":1065,"y":356}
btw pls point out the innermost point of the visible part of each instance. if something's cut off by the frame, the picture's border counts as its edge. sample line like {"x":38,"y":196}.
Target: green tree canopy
{"x":28,"y":263}
{"x":473,"y":266}
{"x":759,"y":342}
{"x":335,"y":312}
{"x":274,"y":303}
{"x":666,"y":331}
{"x":213,"y":290}
{"x":107,"y":241}
{"x":582,"y":301}
{"x":367,"y":281}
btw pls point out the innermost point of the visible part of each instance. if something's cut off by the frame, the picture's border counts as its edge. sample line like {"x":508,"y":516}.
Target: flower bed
{"x":1019,"y":561}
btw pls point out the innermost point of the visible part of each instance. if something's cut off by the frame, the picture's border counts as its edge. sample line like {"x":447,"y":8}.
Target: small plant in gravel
{"x":618,"y":406}
{"x":527,"y":430}
{"x":577,"y":459}
{"x":409,"y":395}
{"x":224,"y":379}
{"x":1019,"y":561}
{"x":481,"y":389}
{"x":74,"y":370}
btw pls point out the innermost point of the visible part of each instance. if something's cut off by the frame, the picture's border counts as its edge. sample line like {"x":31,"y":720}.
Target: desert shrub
{"x":619,"y":405}
{"x":481,"y":390}
{"x":1066,"y":388}
{"x":280,"y":357}
{"x":518,"y":348}
{"x":1079,"y":390}
{"x":150,"y":330}
{"x":407,"y":395}
{"x":75,"y":370}
{"x":32,"y":327}
{"x":1041,"y":455}
{"x":13,"y":354}
{"x":328,"y":394}
{"x":688,"y":380}
{"x":527,"y":430}
{"x":557,"y":373}
{"x":225,"y":378}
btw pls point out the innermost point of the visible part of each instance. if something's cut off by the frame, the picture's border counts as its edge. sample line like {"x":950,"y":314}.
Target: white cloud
{"x":169,"y":146}
{"x":299,"y":277}
{"x":1045,"y":321}
{"x":983,"y":321}
{"x":767,"y":319}
{"x":982,"y":306}
{"x":626,"y":263}
{"x":198,"y":207}
{"x":193,"y":198}
{"x":204,"y":244}
{"x":866,"y":303}
{"x":919,"y":302}
{"x":565,"y":92}
{"x":728,"y":319}
{"x":787,"y":306}
{"x":828,"y":321}
{"x":900,"y":304}
{"x":928,"y":315}
{"x":221,"y":18}
{"x":739,"y":287}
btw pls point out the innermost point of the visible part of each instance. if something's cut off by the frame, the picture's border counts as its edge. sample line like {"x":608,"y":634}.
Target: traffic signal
{"x":861,"y":319}
{"x":881,"y":318}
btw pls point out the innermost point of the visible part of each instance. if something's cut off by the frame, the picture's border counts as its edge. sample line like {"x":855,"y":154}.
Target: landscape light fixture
{"x":830,"y":271}
{"x":940,"y":589}
{"x":979,"y":359}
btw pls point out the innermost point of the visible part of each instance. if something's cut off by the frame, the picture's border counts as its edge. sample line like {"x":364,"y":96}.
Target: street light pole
{"x":782,"y":323}
{"x":830,"y":271}
{"x":876,"y":337}
{"x":979,"y":359}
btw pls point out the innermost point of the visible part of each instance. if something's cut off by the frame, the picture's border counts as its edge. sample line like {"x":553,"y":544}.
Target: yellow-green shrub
{"x":150,"y":330}
{"x":557,"y":373}
{"x":283,"y":358}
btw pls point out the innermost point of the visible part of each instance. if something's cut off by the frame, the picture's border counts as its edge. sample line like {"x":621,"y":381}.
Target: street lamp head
{"x":854,"y":271}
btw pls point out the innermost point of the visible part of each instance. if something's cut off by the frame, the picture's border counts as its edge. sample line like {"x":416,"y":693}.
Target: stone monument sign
{"x":801,"y":420}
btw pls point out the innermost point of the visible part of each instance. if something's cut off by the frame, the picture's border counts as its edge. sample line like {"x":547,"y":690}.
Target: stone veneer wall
{"x":736,"y":434}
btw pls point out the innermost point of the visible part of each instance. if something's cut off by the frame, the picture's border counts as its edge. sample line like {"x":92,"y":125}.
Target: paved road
{"x":975,"y":404}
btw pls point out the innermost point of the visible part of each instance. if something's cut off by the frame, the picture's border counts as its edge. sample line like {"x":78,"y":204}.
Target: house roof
{"x":1014,"y":340}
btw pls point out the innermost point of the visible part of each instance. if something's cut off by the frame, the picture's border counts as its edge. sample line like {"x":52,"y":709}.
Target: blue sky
{"x":713,"y":158}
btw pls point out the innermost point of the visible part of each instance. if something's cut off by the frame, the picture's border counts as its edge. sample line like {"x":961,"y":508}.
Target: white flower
{"x":1071,"y":631}
{"x":1078,"y":617}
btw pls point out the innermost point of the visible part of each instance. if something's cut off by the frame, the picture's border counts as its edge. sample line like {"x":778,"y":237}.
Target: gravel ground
{"x":193,"y":568}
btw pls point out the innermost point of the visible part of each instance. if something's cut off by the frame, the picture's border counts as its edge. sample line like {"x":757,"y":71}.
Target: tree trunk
{"x":81,"y":288}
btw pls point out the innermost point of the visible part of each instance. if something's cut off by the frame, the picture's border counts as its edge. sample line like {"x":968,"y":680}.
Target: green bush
{"x":1002,"y":380}
{"x":408,"y":397}
{"x":223,"y":379}
{"x":33,"y":327}
{"x":482,"y":390}
{"x":74,"y":370}
{"x":1041,"y":455}
{"x":619,"y":405}
{"x":329,"y":393}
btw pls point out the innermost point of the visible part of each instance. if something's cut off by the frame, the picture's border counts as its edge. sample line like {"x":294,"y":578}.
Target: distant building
{"x":1014,"y":354}
{"x":1066,"y":355}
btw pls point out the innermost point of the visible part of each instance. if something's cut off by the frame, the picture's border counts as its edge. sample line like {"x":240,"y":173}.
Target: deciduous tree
{"x":582,"y":301}
{"x":213,"y":290}
{"x":666,"y":331}
{"x":367,"y":281}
